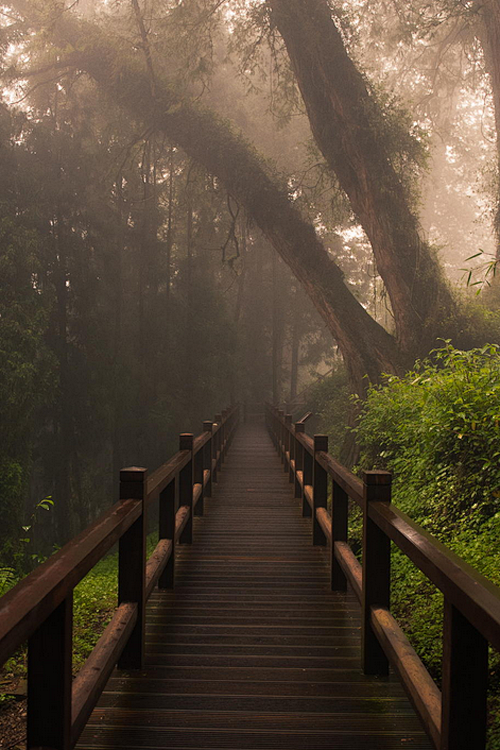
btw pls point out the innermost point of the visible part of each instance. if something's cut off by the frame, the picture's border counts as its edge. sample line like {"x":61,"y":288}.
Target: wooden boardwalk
{"x":252,"y":650}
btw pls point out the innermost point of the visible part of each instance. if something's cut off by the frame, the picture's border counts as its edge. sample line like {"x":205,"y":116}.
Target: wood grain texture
{"x":252,"y":649}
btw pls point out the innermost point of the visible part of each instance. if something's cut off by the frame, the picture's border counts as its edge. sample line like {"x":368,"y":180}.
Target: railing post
{"x":198,"y":479}
{"x":223,"y":438}
{"x":299,"y":457}
{"x":464,"y":684}
{"x":281,"y":434}
{"x":308,"y":461}
{"x":320,"y":489}
{"x":49,"y":680}
{"x":207,"y":458}
{"x":132,"y":566}
{"x":288,"y":441}
{"x":376,"y":570}
{"x":291,"y":472}
{"x":340,"y":511}
{"x":218,"y":435}
{"x":186,"y":487}
{"x":166,"y":530}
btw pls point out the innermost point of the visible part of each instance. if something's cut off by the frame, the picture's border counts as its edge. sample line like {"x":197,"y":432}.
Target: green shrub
{"x":438,"y":430}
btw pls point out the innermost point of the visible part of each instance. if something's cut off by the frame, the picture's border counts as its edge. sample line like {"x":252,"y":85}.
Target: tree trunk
{"x":277,"y":331}
{"x":348,"y":127}
{"x":118,"y":400}
{"x":367,"y":348}
{"x":294,"y":370}
{"x":489,"y":34}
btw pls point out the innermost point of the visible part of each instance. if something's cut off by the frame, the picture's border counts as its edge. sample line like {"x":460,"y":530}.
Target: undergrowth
{"x":94,"y":602}
{"x":438,"y":430}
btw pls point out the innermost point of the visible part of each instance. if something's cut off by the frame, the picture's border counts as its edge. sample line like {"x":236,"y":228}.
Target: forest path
{"x":252,"y":650}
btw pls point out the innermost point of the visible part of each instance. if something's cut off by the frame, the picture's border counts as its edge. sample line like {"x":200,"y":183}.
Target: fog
{"x":143,"y":291}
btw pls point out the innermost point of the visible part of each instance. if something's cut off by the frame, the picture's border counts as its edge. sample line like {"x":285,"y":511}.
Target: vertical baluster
{"x":291,"y":472}
{"x":49,"y":680}
{"x":288,"y":425}
{"x":132,"y":565}
{"x":218,"y":419}
{"x":281,"y":434}
{"x":299,"y":457}
{"x":320,"y":489}
{"x":207,"y":457}
{"x":186,"y":487}
{"x":198,"y":479}
{"x":308,"y":480}
{"x":376,"y":570}
{"x":166,"y":530}
{"x":223,"y":438}
{"x":340,"y":509}
{"x":465,"y":679}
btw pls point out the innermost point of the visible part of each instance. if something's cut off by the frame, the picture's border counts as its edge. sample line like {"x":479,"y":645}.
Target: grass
{"x":94,"y":602}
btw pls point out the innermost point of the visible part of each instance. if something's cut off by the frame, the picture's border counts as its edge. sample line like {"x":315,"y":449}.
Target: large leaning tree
{"x":345,"y":119}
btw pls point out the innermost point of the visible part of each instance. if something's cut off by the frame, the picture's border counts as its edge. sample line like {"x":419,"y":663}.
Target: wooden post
{"x":340,"y":511}
{"x":218,"y":436}
{"x":465,"y":680}
{"x":376,"y":570}
{"x":198,"y":479}
{"x":186,"y":487}
{"x":299,"y":457}
{"x":281,"y":434}
{"x":308,"y":480}
{"x":49,"y":680}
{"x":207,"y":457}
{"x":166,"y":530}
{"x":132,"y":566}
{"x":291,"y":473}
{"x":320,"y":489}
{"x":223,"y":438}
{"x":288,"y":440}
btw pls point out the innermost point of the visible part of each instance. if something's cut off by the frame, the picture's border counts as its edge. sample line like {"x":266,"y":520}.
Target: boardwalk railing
{"x":39,"y":609}
{"x":456,"y":717}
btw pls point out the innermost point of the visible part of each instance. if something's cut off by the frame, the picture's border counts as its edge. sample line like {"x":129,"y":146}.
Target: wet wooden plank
{"x":252,"y":650}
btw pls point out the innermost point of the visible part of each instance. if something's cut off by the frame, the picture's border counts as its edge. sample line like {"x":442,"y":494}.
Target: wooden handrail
{"x":35,"y":597}
{"x":455,"y":719}
{"x":41,"y":604}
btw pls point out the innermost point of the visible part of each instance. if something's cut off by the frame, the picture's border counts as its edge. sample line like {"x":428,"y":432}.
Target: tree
{"x":422,"y":303}
{"x":348,"y":127}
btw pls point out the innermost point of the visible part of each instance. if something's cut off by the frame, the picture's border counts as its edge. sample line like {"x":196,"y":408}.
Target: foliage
{"x":438,"y":430}
{"x":329,"y":401}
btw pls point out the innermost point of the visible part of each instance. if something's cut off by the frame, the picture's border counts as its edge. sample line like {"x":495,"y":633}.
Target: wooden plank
{"x":166,"y":531}
{"x":186,"y":477}
{"x":132,"y":566}
{"x":33,"y":599}
{"x":420,"y":687}
{"x":92,"y":677}
{"x":350,"y":483}
{"x":157,"y":563}
{"x":164,"y":474}
{"x":252,"y":649}
{"x":350,"y":566}
{"x":376,"y":570}
{"x":181,"y":518}
{"x":473,"y":595}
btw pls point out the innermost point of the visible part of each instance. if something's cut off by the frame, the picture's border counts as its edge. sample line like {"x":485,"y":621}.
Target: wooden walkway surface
{"x":252,"y":650}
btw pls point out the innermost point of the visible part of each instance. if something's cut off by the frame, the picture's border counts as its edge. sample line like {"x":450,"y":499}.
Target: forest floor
{"x":95,"y":600}
{"x":13,"y":724}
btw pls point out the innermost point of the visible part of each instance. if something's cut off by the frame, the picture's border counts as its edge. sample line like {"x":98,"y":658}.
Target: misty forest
{"x":215,"y":202}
